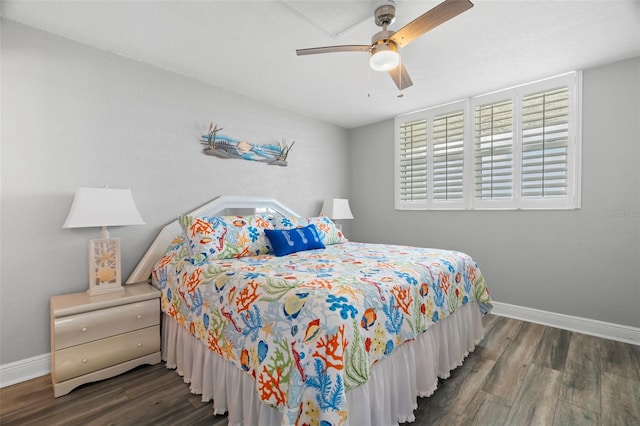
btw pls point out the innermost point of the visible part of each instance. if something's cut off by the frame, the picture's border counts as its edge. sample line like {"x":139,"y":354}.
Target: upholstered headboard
{"x":218,"y":206}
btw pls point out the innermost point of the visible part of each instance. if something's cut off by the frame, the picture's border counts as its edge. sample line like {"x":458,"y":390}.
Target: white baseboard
{"x":24,"y":369}
{"x":607,"y":330}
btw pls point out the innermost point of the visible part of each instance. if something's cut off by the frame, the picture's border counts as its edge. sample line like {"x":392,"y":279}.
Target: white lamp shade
{"x":336,"y":208}
{"x":96,"y":207}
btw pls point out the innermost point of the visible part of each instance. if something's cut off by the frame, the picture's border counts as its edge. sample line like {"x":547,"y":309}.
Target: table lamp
{"x":336,"y":209}
{"x":102,"y":207}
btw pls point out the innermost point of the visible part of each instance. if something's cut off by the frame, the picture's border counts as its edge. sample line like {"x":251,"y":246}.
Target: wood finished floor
{"x":520,"y":374}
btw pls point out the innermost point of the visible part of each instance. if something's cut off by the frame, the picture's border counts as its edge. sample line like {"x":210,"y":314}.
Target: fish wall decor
{"x":225,"y":147}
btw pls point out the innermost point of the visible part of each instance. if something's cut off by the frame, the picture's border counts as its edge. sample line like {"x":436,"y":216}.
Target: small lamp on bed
{"x":102,"y":207}
{"x":336,"y":209}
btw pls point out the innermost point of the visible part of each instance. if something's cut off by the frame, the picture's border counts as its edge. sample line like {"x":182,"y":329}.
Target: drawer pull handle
{"x":84,"y":360}
{"x":139,"y":344}
{"x":83,"y":329}
{"x":139,"y":316}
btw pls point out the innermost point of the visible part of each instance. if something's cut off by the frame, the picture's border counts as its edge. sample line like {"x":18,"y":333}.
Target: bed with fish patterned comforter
{"x":309,"y":326}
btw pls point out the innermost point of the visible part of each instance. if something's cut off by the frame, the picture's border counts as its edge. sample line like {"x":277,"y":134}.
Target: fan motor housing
{"x":382,"y":36}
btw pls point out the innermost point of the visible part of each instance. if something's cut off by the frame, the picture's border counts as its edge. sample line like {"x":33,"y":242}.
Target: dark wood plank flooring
{"x":520,"y":374}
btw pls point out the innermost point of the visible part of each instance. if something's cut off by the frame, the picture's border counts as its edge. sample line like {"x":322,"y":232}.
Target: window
{"x":430,"y":158}
{"x":545,"y":143}
{"x":448,"y":156}
{"x":413,"y":161}
{"x":514,"y":149}
{"x":493,"y":150}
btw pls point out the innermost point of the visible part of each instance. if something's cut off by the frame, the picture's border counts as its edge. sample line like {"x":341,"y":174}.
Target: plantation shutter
{"x":545,"y":144}
{"x":413,"y":161}
{"x":518,"y":148}
{"x":493,"y":151}
{"x":448,"y":156}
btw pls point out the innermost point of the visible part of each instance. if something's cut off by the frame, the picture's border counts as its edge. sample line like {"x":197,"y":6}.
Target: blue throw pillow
{"x":287,"y":241}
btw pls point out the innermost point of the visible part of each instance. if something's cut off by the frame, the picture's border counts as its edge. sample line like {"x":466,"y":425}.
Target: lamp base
{"x":104,"y":290}
{"x":104,"y":266}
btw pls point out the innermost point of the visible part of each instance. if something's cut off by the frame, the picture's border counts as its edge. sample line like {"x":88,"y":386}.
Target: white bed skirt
{"x":389,"y":397}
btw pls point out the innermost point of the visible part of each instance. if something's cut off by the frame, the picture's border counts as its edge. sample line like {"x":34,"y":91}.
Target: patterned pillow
{"x":173,"y":258}
{"x":290,"y":222}
{"x":224,"y":237}
{"x":329,"y":233}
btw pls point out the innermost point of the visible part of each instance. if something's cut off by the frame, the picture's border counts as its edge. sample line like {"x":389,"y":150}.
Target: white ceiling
{"x":248,"y":47}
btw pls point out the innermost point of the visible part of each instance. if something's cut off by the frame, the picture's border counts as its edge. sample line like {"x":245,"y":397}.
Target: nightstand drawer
{"x":78,"y":360}
{"x":74,"y":330}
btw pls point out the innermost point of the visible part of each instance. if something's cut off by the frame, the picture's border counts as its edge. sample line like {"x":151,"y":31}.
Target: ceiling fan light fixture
{"x":383,"y":51}
{"x":384,"y":56}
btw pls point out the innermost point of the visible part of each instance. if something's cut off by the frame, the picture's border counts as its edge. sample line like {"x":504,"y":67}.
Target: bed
{"x":324,"y":331}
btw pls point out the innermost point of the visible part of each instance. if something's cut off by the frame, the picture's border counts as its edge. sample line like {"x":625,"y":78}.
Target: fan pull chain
{"x":369,"y":88}
{"x":400,"y":71}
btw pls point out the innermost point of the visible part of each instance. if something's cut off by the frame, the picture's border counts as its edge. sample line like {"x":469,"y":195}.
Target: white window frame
{"x":429,"y":114}
{"x":572,"y":80}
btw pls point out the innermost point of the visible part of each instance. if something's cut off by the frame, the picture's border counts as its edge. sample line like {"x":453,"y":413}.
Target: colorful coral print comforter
{"x":310,"y":325}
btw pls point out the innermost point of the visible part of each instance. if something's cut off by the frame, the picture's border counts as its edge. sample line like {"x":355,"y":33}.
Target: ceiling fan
{"x":383,"y":50}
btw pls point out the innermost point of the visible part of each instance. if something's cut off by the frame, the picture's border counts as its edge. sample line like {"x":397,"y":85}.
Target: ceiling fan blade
{"x":401,"y":77}
{"x":331,"y":49}
{"x":429,"y":20}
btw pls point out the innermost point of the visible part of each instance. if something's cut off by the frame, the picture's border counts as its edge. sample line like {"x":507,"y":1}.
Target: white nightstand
{"x":97,"y":337}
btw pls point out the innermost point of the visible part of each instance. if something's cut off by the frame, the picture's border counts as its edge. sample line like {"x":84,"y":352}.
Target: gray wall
{"x":77,"y":116}
{"x":583,"y":263}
